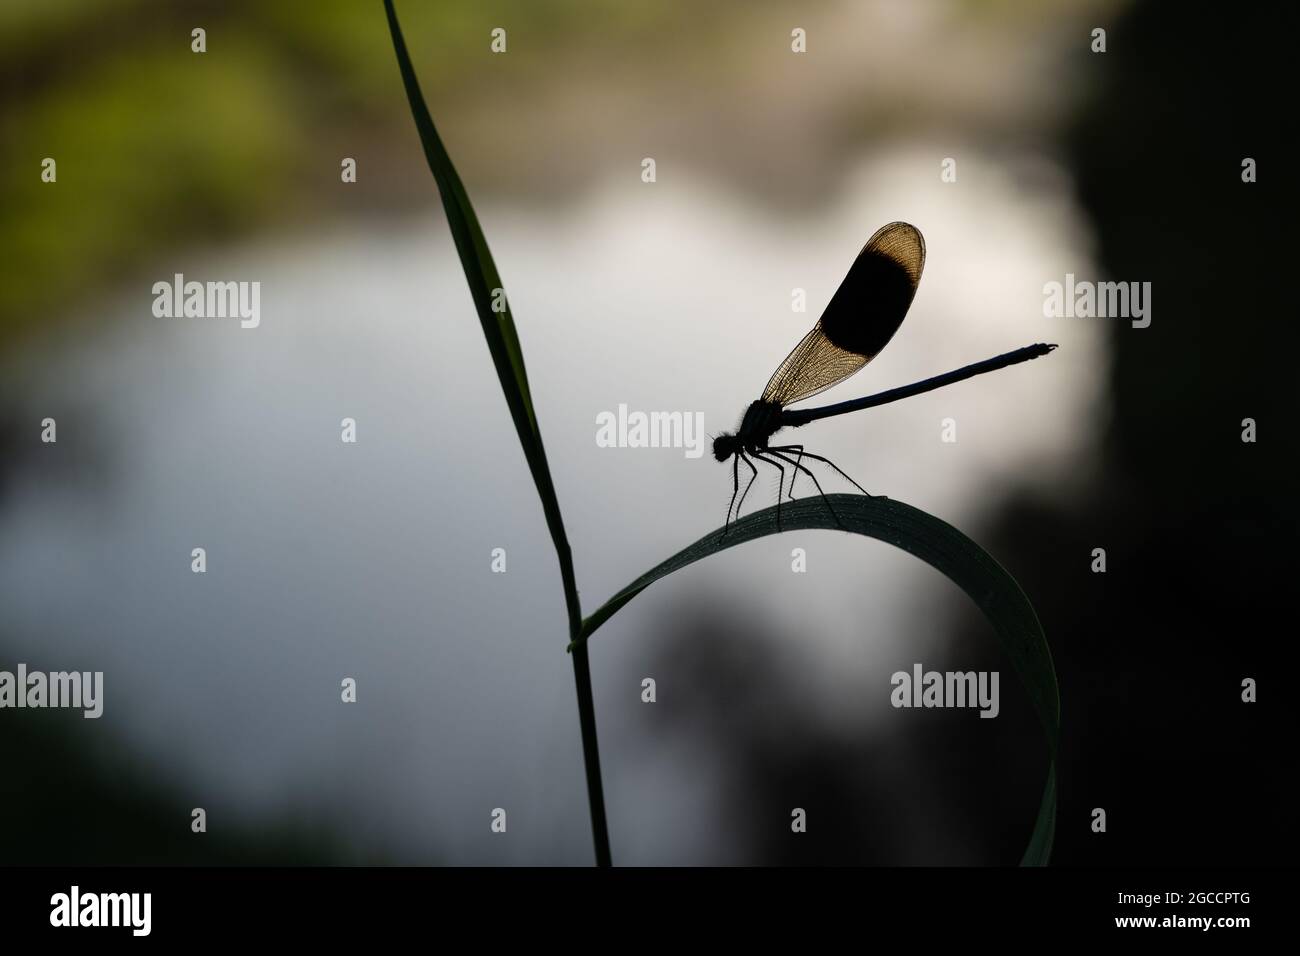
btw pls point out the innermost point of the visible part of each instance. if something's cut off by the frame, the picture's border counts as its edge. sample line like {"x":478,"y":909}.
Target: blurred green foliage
{"x":157,"y":146}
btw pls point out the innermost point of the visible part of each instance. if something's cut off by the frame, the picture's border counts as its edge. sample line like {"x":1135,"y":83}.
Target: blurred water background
{"x":372,"y":560}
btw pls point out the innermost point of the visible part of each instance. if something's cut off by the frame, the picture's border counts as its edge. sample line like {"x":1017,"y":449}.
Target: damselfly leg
{"x":807,"y":454}
{"x":777,"y":454}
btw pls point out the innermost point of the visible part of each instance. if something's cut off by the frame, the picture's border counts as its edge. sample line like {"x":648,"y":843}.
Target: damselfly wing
{"x":860,"y":319}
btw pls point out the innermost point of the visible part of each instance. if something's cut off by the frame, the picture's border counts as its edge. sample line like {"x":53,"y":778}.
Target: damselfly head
{"x":724,"y":446}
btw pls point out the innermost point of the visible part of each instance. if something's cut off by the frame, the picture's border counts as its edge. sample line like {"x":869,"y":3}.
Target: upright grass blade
{"x":486,"y":288}
{"x":485,"y":285}
{"x":944,"y":548}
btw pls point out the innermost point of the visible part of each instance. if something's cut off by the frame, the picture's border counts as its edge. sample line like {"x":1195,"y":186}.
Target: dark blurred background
{"x":222,"y":689}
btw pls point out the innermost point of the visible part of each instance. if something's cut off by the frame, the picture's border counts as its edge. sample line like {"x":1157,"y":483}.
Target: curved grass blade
{"x":944,"y":548}
{"x":486,"y":288}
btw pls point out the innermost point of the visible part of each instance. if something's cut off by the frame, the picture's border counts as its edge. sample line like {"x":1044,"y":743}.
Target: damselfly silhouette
{"x":861,"y":318}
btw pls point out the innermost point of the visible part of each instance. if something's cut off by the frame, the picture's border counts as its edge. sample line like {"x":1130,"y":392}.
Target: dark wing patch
{"x":862,"y":316}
